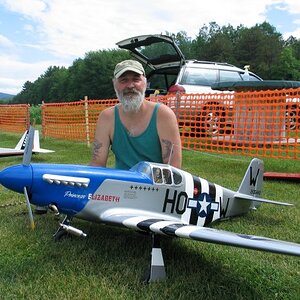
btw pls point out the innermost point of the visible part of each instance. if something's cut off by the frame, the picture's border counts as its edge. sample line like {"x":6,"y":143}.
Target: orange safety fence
{"x":14,"y":118}
{"x":261,"y":123}
{"x":73,"y":120}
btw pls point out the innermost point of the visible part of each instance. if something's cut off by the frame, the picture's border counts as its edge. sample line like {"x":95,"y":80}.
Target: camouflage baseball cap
{"x":128,"y":65}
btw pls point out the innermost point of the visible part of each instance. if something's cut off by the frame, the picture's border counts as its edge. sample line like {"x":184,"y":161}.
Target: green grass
{"x":109,"y":263}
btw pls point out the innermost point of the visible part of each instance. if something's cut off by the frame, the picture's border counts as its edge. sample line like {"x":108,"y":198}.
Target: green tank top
{"x":130,"y":150}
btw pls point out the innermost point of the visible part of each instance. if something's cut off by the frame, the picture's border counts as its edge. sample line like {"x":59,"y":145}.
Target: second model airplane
{"x":20,"y":147}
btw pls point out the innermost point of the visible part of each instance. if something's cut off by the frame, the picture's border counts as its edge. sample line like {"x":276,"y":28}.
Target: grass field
{"x":109,"y":262}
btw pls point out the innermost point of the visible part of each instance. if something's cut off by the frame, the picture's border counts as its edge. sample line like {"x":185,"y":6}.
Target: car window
{"x":230,"y":76}
{"x":153,"y":52}
{"x":253,"y":78}
{"x":199,"y":76}
{"x":161,"y":81}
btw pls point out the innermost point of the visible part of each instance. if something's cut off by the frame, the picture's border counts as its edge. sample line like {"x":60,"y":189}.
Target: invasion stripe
{"x":171,"y":229}
{"x":145,"y":225}
{"x":212,"y":195}
{"x":197,"y":186}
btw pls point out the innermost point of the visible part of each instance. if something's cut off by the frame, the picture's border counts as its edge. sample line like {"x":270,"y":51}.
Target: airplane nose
{"x":16,"y":177}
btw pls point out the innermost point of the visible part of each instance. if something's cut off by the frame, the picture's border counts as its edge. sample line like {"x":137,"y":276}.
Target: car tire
{"x":291,"y":118}
{"x":212,"y":120}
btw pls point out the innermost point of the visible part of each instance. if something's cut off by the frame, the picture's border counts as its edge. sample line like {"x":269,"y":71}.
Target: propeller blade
{"x":28,"y":148}
{"x":32,"y":224}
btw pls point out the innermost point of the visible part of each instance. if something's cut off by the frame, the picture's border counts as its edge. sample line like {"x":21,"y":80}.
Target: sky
{"x":37,"y":34}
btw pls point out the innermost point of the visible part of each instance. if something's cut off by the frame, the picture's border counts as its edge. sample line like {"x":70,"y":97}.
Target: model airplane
{"x":20,"y":147}
{"x":154,"y":198}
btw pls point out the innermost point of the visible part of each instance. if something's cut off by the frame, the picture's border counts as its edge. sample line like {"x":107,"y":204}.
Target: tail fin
{"x":253,"y":179}
{"x":36,"y":143}
{"x":251,"y":186}
{"x":36,"y":140}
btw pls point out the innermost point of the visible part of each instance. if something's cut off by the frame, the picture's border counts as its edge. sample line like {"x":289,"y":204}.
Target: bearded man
{"x":136,"y":129}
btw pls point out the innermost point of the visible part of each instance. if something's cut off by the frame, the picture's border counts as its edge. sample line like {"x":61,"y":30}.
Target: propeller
{"x":28,"y":147}
{"x":32,"y":224}
{"x":26,"y":162}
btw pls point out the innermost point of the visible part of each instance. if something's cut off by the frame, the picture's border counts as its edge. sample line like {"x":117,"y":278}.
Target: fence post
{"x":43,"y":119}
{"x":28,"y":116}
{"x":87,"y":127}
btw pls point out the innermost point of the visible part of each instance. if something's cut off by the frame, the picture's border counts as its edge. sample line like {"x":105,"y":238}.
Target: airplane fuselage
{"x":88,"y":192}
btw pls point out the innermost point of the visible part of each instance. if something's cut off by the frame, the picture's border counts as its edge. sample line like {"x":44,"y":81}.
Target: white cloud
{"x":10,"y":86}
{"x":32,"y":8}
{"x":66,"y":29}
{"x":5,"y":43}
{"x":292,"y":6}
{"x":71,"y":28}
{"x":295,"y":33}
{"x":14,"y":73}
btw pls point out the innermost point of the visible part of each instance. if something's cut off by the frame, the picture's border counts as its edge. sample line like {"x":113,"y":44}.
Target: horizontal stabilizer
{"x":41,"y":150}
{"x":257,"y":199}
{"x":36,"y":144}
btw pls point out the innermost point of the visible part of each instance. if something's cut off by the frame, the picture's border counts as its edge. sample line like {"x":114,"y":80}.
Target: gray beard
{"x":131,"y":102}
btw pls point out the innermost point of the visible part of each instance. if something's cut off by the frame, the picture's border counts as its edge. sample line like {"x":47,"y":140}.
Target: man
{"x":136,"y":129}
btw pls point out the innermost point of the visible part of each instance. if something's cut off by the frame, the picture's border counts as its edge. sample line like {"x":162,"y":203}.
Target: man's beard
{"x":131,"y":99}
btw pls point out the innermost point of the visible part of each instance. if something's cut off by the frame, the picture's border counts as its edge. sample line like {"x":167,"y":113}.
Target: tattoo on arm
{"x":166,"y":149}
{"x":97,"y":149}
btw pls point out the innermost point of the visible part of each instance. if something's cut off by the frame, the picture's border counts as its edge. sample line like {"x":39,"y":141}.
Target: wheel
{"x":291,"y":118}
{"x":146,"y":276}
{"x":60,"y":235}
{"x":212,"y":121}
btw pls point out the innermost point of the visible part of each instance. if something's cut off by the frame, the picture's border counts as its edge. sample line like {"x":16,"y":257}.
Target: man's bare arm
{"x":99,"y":155}
{"x":169,"y":137}
{"x":102,"y":140}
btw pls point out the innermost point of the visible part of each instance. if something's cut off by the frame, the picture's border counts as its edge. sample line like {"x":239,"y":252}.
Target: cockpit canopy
{"x":159,"y":173}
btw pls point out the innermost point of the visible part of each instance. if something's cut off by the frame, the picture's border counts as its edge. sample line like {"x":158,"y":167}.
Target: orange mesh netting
{"x":14,"y":118}
{"x":73,"y":120}
{"x":262,"y":123}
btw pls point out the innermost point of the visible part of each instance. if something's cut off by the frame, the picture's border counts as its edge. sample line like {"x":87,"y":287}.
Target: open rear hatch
{"x":155,"y":51}
{"x":161,"y":57}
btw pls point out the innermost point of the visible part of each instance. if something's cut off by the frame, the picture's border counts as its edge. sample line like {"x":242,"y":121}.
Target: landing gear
{"x":66,"y":230}
{"x":61,"y":234}
{"x":156,"y":271}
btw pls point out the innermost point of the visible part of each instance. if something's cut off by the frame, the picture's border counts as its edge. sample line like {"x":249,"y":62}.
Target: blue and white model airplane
{"x":153,"y":198}
{"x":20,"y":147}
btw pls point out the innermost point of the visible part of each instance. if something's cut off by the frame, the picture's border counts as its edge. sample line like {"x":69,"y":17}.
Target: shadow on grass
{"x":121,"y":256}
{"x":110,"y":262}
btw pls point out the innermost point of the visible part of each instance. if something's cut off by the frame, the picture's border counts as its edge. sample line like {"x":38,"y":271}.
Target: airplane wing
{"x":10,"y":152}
{"x":160,"y":225}
{"x":41,"y":150}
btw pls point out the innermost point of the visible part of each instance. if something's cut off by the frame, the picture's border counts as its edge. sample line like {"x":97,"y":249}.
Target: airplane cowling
{"x":16,"y":178}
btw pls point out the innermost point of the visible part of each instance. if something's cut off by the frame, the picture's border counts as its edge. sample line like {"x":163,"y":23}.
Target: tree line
{"x":261,"y":46}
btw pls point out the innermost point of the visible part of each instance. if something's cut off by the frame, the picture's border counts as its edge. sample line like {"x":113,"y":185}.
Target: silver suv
{"x":169,"y":72}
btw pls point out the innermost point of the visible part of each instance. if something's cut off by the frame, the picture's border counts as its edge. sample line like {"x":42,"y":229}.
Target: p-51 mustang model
{"x":20,"y":147}
{"x":154,"y":198}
